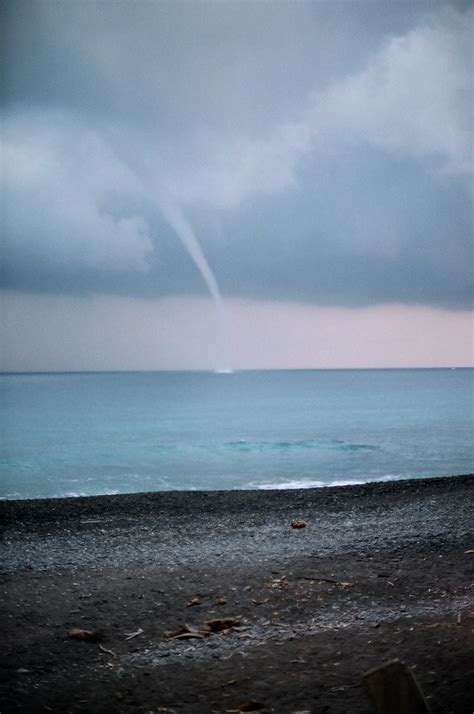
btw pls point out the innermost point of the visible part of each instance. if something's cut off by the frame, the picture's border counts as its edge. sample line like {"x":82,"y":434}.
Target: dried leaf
{"x":221,"y":601}
{"x":330,"y":581}
{"x":278,"y":583}
{"x":193,"y":601}
{"x":207,"y":628}
{"x":202,"y":629}
{"x":220,"y":624}
{"x":87,"y":635}
{"x":251,"y":706}
{"x":184,"y":632}
{"x":298,"y":523}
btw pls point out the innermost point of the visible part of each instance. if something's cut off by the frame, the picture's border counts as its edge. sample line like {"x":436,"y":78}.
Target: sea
{"x":83,"y":434}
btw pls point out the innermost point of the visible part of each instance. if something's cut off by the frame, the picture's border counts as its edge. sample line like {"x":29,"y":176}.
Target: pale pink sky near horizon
{"x":62,"y":333}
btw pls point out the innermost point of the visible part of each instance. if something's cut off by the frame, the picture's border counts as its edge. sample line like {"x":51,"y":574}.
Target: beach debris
{"x":187,"y":633}
{"x":469,"y":552}
{"x":251,"y":706}
{"x":22,"y":670}
{"x":204,"y":630}
{"x":221,"y":601}
{"x":131,"y":635}
{"x":106,"y":651}
{"x":194,"y":601}
{"x":225,"y":623}
{"x":330,"y":581}
{"x":394,"y":689}
{"x":298,"y":523}
{"x":278,"y":583}
{"x":86,"y":635}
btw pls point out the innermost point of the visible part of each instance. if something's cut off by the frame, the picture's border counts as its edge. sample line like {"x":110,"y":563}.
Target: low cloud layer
{"x":315,"y":152}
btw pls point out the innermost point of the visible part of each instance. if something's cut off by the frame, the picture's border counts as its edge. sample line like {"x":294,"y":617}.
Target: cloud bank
{"x":310,"y":154}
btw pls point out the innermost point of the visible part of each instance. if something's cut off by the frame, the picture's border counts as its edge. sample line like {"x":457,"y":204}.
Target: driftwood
{"x":394,"y":690}
{"x":134,"y":634}
{"x":209,"y":627}
{"x":86,"y":635}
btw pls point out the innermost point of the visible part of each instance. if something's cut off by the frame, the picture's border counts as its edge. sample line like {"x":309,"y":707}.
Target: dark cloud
{"x":318,"y":151}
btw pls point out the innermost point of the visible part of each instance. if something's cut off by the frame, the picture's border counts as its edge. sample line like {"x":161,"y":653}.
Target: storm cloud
{"x":319,"y":152}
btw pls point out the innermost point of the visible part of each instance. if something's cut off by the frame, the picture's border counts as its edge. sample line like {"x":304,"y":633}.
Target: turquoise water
{"x":104,"y":433}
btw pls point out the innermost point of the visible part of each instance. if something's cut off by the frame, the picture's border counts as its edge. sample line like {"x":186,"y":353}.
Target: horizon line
{"x":210,"y":370}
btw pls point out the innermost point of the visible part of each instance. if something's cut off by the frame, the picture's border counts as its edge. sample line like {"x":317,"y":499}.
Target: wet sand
{"x":380,"y":571}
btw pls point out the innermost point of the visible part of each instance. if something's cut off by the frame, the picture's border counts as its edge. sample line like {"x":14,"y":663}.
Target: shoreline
{"x":381,"y":570}
{"x":64,"y":506}
{"x":266,"y":488}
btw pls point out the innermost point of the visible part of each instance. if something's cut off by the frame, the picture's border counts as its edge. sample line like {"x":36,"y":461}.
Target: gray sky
{"x":310,"y":156}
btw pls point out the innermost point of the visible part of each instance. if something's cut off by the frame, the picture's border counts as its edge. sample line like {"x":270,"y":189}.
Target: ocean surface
{"x":108,"y":433}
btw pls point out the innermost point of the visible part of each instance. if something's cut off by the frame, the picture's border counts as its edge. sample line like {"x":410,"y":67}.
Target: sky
{"x":194,"y":185}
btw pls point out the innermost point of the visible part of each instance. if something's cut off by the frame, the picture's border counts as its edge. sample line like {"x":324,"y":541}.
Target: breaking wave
{"x":310,"y":483}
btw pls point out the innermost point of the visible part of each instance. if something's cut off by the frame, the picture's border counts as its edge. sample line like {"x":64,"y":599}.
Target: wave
{"x":336,"y":444}
{"x":80,"y":494}
{"x":310,"y":483}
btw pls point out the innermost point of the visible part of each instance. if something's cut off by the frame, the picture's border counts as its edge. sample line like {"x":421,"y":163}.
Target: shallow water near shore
{"x":109,"y":433}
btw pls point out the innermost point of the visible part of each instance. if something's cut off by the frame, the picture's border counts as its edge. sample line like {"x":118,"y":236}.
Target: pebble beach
{"x":374,"y":572}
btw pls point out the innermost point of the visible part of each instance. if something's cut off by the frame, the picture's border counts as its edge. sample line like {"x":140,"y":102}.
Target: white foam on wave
{"x":81,"y":494}
{"x":284,"y":485}
{"x":306,"y":483}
